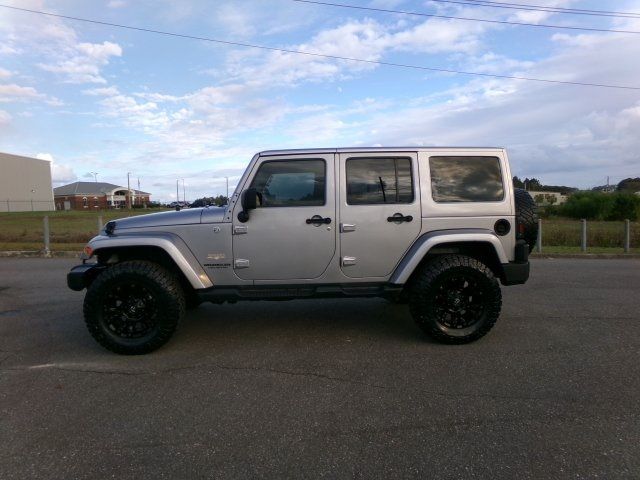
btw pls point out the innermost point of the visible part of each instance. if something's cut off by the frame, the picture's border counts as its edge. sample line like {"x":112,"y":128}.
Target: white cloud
{"x":5,"y":118}
{"x":84,"y":63}
{"x":13,"y":92}
{"x":5,"y":73}
{"x":116,"y":3}
{"x":60,"y":174}
{"x":102,"y":91}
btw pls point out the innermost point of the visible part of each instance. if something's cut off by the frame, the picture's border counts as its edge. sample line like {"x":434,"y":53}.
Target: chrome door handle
{"x":399,"y":218}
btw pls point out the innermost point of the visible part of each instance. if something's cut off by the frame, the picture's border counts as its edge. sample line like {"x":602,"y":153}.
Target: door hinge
{"x":346,"y":261}
{"x":347,"y":227}
{"x":241,"y":263}
{"x":239,"y":229}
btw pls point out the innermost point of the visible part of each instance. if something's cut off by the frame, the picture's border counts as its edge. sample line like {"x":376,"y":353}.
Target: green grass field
{"x":71,"y":230}
{"x":68,"y":230}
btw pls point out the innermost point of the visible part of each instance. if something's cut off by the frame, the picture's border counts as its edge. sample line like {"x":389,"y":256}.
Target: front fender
{"x":442,"y":237}
{"x":172,"y":244}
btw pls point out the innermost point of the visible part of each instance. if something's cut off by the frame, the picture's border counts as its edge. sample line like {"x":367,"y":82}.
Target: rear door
{"x":380,"y":213}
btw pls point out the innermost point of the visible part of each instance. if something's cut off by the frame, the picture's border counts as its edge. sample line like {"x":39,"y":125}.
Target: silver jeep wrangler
{"x":434,"y":227}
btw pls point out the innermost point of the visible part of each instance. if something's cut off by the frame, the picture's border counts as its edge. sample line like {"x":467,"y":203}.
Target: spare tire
{"x":526,"y":218}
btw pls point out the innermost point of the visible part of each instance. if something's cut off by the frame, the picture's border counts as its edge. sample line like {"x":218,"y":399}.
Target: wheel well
{"x":482,"y":251}
{"x":157,"y":255}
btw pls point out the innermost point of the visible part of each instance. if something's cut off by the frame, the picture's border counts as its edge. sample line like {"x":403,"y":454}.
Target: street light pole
{"x":184,"y":194}
{"x":95,"y":176}
{"x":227,"y":179}
{"x":128,"y":191}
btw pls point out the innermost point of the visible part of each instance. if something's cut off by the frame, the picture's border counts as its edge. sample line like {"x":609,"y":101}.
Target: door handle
{"x":318,"y":220}
{"x":399,"y":218}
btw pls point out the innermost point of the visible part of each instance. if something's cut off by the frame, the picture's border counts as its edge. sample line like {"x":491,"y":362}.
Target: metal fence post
{"x":583,"y":243}
{"x":627,"y":235}
{"x":8,"y":206}
{"x":539,"y":242}
{"x":47,"y":245}
{"x":99,"y":223}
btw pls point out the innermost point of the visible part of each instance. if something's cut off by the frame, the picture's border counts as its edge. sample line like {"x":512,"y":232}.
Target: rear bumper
{"x":81,"y":276}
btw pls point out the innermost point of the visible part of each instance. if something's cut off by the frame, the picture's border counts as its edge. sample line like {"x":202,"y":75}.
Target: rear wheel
{"x":134,"y":307}
{"x":455,"y":299}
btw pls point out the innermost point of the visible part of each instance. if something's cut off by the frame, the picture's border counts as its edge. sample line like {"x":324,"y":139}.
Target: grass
{"x":554,"y":250}
{"x":71,"y":230}
{"x":567,"y":233}
{"x":25,"y":230}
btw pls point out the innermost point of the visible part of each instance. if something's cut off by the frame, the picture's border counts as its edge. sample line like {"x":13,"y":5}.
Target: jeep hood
{"x":187,"y":216}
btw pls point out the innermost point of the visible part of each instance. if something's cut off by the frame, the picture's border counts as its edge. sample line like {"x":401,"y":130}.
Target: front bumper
{"x":81,"y":276}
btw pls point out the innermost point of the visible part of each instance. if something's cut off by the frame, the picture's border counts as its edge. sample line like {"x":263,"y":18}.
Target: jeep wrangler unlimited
{"x":434,"y":227}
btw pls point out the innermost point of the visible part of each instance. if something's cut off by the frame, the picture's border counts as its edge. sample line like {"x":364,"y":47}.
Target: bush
{"x":601,"y":206}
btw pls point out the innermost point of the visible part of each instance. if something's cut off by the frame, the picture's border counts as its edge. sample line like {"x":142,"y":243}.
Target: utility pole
{"x":184,"y":194}
{"x":128,"y":191}
{"x":227,"y":179}
{"x":177,"y":191}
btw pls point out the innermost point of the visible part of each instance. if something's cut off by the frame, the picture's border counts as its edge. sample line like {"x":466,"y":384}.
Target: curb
{"x":602,"y":256}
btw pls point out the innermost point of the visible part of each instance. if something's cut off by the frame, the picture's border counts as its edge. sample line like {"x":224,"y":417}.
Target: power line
{"x":322,"y":55}
{"x":541,"y":8}
{"x":468,"y":19}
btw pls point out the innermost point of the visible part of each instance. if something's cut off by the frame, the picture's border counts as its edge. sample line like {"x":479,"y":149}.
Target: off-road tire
{"x":435,"y":288}
{"x":138,"y":288}
{"x":526,"y":218}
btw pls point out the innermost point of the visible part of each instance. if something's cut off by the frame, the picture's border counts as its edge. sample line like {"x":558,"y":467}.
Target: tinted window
{"x":379,"y":180}
{"x":291,"y":183}
{"x":466,"y":179}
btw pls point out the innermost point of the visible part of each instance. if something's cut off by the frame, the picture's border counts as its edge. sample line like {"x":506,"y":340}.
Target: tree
{"x":629,"y":185}
{"x":517,"y":182}
{"x":219,"y":201}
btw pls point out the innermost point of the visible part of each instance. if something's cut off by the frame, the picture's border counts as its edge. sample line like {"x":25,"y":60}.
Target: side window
{"x":466,"y":179}
{"x":378,"y":180}
{"x":291,"y":183}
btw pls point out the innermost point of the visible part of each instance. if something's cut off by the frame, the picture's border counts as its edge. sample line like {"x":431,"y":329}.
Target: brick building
{"x":95,"y":196}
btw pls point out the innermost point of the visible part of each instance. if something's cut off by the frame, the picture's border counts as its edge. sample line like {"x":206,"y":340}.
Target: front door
{"x":380,"y":213}
{"x":291,"y":235}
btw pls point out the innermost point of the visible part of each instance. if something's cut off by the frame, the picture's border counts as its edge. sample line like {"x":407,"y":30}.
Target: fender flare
{"x":170,"y":243}
{"x":426,"y":242}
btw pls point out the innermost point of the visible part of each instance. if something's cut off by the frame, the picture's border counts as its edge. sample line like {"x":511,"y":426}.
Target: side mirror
{"x":249,"y":201}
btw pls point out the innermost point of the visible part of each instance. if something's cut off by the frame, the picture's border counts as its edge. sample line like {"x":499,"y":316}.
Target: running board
{"x":292,"y":292}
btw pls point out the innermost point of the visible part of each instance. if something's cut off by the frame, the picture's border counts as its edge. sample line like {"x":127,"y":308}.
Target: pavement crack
{"x":293,"y":373}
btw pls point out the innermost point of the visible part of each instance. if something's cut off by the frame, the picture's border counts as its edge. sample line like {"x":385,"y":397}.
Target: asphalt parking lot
{"x":327,"y":389}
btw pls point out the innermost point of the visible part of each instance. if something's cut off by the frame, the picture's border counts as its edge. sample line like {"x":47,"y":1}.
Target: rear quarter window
{"x":466,"y":179}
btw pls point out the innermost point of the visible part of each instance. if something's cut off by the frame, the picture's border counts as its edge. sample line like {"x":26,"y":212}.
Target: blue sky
{"x":94,"y":98}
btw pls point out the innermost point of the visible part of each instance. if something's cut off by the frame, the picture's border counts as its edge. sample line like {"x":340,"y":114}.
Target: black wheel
{"x":526,"y":218}
{"x":455,"y":299}
{"x":134,"y":307}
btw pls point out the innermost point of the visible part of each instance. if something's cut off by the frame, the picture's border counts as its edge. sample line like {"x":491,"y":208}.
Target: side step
{"x":292,"y":292}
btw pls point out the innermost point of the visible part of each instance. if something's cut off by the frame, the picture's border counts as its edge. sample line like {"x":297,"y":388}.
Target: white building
{"x":25,"y":184}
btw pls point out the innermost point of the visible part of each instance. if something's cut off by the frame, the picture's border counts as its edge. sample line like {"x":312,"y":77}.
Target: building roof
{"x":92,"y":188}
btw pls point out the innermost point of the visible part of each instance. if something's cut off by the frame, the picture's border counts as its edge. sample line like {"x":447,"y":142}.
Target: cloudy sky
{"x":95,"y":98}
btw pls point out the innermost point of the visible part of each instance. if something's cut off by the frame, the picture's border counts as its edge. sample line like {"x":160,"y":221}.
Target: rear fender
{"x":426,"y":242}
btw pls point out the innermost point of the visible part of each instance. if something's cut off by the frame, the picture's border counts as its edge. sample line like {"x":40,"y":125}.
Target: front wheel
{"x":455,"y":299}
{"x":134,"y":307}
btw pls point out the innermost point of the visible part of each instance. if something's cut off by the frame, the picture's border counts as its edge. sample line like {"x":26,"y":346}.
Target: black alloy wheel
{"x":134,"y":307}
{"x":455,"y":299}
